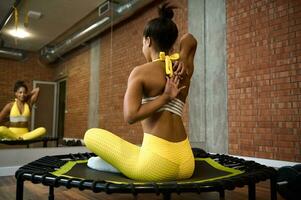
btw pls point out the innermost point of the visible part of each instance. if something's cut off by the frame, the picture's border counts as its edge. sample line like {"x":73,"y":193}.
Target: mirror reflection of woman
{"x":18,"y":113}
{"x":155,"y":96}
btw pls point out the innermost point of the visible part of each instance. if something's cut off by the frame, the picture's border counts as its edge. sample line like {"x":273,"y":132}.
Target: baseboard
{"x":8,"y":171}
{"x":268,"y":162}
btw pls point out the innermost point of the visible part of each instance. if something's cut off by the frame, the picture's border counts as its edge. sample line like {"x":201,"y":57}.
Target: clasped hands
{"x":172,"y":88}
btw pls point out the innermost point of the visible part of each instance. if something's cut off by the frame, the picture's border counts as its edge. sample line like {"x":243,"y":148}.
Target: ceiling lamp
{"x":19,"y":33}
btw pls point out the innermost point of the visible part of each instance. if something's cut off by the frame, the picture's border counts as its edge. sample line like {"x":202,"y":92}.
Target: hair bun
{"x":166,"y":11}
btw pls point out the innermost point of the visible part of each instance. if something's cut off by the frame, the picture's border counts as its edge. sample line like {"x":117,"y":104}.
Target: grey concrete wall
{"x":197,"y":100}
{"x":216,"y":77}
{"x":208,"y":94}
{"x":93,"y":109}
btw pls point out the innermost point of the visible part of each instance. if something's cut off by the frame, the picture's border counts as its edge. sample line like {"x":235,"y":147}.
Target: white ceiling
{"x":57,"y":17}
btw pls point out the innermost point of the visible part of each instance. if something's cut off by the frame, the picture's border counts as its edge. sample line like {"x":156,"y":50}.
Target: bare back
{"x":165,"y":124}
{"x":149,"y":80}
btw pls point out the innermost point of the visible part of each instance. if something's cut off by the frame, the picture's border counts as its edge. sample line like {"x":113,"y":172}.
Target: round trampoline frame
{"x":38,"y":172}
{"x":44,"y":140}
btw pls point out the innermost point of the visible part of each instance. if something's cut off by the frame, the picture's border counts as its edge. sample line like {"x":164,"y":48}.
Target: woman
{"x":155,"y":96}
{"x":18,"y":112}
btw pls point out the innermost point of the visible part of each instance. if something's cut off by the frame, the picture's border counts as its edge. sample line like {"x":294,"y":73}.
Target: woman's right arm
{"x":5,"y":112}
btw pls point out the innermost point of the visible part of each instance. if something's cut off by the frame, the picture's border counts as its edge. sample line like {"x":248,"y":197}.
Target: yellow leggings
{"x":156,"y":160}
{"x":20,"y":133}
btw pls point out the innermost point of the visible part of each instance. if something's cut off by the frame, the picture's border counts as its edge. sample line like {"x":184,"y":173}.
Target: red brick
{"x":260,"y":154}
{"x":285,"y":156}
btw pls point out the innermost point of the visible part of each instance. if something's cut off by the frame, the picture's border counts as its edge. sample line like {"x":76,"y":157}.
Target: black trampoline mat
{"x":205,"y":170}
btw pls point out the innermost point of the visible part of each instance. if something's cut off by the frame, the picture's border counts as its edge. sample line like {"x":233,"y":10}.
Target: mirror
{"x":60,"y":107}
{"x":47,"y":112}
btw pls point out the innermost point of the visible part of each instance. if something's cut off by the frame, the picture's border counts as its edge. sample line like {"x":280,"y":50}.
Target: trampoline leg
{"x":19,"y":189}
{"x":45,"y":143}
{"x":51,"y":193}
{"x":273,"y":188}
{"x":252,"y":191}
{"x":221,"y":194}
{"x":166,"y":196}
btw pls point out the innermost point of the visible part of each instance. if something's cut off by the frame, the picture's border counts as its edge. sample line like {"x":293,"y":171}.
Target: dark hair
{"x":162,"y":29}
{"x":18,"y":85}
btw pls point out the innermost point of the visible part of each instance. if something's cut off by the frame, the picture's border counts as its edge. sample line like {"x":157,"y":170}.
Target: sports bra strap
{"x":174,"y":106}
{"x":168,"y":61}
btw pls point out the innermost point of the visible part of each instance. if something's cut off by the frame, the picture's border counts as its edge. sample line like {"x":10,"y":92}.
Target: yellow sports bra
{"x":168,"y":61}
{"x":176,"y":105}
{"x":16,"y":116}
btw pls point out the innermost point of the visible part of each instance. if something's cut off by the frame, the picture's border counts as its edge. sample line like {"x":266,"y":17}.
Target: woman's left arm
{"x":33,"y":96}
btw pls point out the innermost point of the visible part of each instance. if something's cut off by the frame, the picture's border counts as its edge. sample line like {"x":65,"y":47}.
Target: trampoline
{"x":213,"y":173}
{"x":44,"y":140}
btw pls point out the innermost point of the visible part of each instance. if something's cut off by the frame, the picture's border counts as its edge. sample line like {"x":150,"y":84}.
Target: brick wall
{"x":76,"y":69}
{"x":28,"y":70}
{"x":119,"y":57}
{"x":264,"y":78}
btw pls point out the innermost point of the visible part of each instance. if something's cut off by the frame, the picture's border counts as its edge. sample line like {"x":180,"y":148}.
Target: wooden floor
{"x":40,"y":192}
